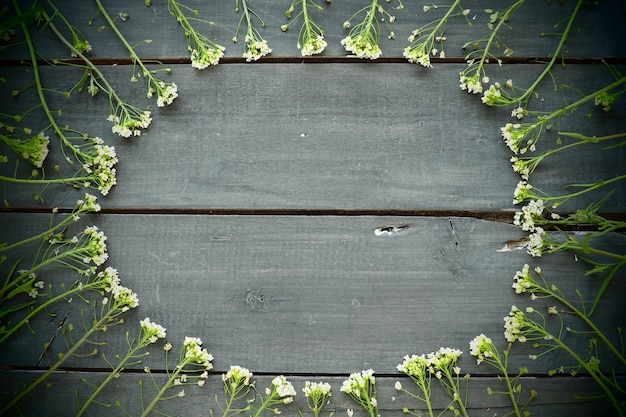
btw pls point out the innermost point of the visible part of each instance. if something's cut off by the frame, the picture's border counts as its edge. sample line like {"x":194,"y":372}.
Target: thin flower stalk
{"x":364,"y":37}
{"x":525,"y":282}
{"x":442,"y":366}
{"x":532,"y":216}
{"x":255,"y":47}
{"x":527,"y":165}
{"x":99,"y":282}
{"x":485,"y":351}
{"x":80,"y":253}
{"x":311,"y":36}
{"x":521,"y":137}
{"x":33,"y":149}
{"x":496,"y":97}
{"x":519,"y":327}
{"x":121,"y":300}
{"x":361,"y":386}
{"x":237,"y":384}
{"x":474,"y":76}
{"x":525,"y":191}
{"x":128,"y":120}
{"x":204,"y":52}
{"x":423,"y":39}
{"x":166,"y":93}
{"x":317,"y":396}
{"x":79,"y":41}
{"x":193,"y":364}
{"x":417,"y":368}
{"x":280,"y":392}
{"x":88,"y":204}
{"x":96,"y":164}
{"x":150,"y":333}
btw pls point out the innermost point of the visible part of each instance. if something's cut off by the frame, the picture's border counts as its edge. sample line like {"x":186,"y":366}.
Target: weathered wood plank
{"x":317,"y":294}
{"x":329,"y":136}
{"x":599,"y":28}
{"x":552,"y":398}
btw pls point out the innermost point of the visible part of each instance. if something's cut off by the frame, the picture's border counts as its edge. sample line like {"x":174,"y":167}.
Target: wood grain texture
{"x":329,"y":136}
{"x":307,"y":294}
{"x":201,"y":401}
{"x":316,"y":297}
{"x":597,"y":34}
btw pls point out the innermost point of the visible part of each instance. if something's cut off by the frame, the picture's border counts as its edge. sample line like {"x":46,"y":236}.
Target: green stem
{"x":40,"y":265}
{"x":444,"y":19}
{"x":114,"y":374}
{"x":608,"y":254}
{"x":588,"y":321}
{"x":587,"y":189}
{"x":583,"y":140}
{"x":38,"y":83}
{"x":555,"y":56}
{"x":507,"y":379}
{"x":110,"y":90}
{"x":165,"y":387}
{"x":593,"y":374}
{"x":494,"y":33}
{"x":74,"y":290}
{"x":592,"y":139}
{"x":583,"y":100}
{"x":96,"y":327}
{"x":49,"y":181}
{"x":135,"y":58}
{"x":371,"y":16}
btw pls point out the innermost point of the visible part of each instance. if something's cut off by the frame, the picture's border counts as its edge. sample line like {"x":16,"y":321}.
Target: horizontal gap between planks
{"x":348,"y":59}
{"x":500,"y":216}
{"x":10,"y":368}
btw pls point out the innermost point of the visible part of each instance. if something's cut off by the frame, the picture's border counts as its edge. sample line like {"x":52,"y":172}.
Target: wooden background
{"x":269,"y":178}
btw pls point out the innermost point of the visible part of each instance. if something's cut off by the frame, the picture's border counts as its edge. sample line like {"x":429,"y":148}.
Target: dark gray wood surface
{"x":302,"y":138}
{"x":245,"y":214}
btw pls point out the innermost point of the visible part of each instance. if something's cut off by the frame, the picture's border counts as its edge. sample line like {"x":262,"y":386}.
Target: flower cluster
{"x":362,"y":46}
{"x":123,"y":297}
{"x":204,"y":52}
{"x":530,"y":215}
{"x":236,"y":376}
{"x":442,"y":365}
{"x":311,"y":36}
{"x":363,"y":38}
{"x":33,"y":149}
{"x":317,"y":394}
{"x":483,"y":348}
{"x":472,"y":84}
{"x":423,"y":39}
{"x":523,"y":281}
{"x":417,"y":54}
{"x":96,"y":247}
{"x":100,"y":168}
{"x":514,"y":135}
{"x":195,"y":353}
{"x":282,"y":388}
{"x":237,"y":384}
{"x":361,"y":386}
{"x":128,"y":121}
{"x":166,"y":92}
{"x":29,"y":285}
{"x":419,"y":367}
{"x":204,"y":57}
{"x":513,"y":324}
{"x":152,"y":332}
{"x":255,"y":47}
{"x":88,"y":204}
